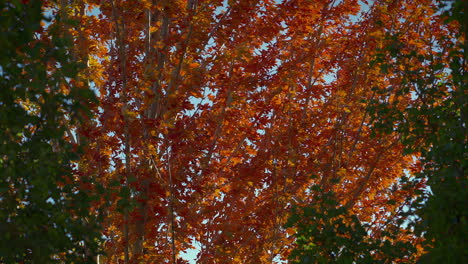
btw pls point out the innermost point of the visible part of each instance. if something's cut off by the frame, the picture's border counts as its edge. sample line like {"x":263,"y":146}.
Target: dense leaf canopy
{"x":246,"y":131}
{"x":44,"y":214}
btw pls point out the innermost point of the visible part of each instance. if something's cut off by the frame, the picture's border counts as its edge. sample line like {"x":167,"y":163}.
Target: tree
{"x":44,"y":212}
{"x":434,"y":124}
{"x":445,"y":214}
{"x":431,"y":123}
{"x":213,"y":114}
{"x":327,"y":233}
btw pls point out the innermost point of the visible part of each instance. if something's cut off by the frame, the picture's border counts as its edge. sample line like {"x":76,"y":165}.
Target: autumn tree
{"x":432,"y":124}
{"x":213,"y":115}
{"x":44,"y":212}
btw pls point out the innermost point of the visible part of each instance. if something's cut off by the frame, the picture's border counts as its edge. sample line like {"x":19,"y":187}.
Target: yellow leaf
{"x":236,"y":160}
{"x":341,"y":93}
{"x":341,"y":172}
{"x":146,"y":4}
{"x":194,"y":65}
{"x":276,"y":100}
{"x":250,"y":151}
{"x":153,"y":29}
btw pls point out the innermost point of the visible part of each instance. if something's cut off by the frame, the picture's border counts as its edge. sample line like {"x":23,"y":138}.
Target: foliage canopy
{"x":209,"y":120}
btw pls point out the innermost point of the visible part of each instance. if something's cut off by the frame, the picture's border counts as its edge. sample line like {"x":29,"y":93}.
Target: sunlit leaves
{"x":219,"y":110}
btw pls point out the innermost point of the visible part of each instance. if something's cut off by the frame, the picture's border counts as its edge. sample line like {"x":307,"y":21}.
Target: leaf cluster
{"x":327,"y":232}
{"x":434,"y":124}
{"x":45,"y":216}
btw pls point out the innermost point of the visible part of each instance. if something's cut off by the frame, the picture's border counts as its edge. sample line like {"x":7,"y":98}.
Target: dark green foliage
{"x":327,"y":233}
{"x":445,"y":215}
{"x":435,"y":126}
{"x":44,"y":216}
